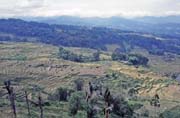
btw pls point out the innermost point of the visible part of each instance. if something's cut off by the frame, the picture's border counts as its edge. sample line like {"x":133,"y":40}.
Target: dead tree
{"x":107,"y":98}
{"x":11,"y":96}
{"x":107,"y":111}
{"x":27,"y":102}
{"x":100,"y":89}
{"x":40,"y":105}
{"x":89,"y":92}
{"x":90,"y":88}
{"x":87,"y":96}
{"x":155,"y":102}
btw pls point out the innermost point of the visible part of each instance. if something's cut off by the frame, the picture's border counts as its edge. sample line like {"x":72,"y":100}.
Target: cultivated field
{"x":36,"y":67}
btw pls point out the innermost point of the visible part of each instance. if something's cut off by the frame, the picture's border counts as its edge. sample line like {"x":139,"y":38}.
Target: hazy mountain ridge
{"x":167,"y":26}
{"x":91,"y":37}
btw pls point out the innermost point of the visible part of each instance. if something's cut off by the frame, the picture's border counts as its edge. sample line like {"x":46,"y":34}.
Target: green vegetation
{"x":77,"y":102}
{"x":119,"y":57}
{"x":156,"y":52}
{"x":79,"y":84}
{"x":68,"y":55}
{"x":18,"y":57}
{"x":61,"y":94}
{"x":74,"y":36}
{"x":64,"y":85}
{"x":171,"y":113}
{"x":121,"y":108}
{"x":135,"y":59}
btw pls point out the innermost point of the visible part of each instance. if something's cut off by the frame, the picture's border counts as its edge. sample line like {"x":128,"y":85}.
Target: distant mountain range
{"x":167,"y":26}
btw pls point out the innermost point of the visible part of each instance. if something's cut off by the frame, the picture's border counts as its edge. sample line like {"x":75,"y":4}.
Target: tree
{"x":61,"y":94}
{"x":96,"y":56}
{"x":137,"y":59}
{"x":107,"y":97}
{"x":121,"y":108}
{"x":11,"y":94}
{"x":90,"y":88}
{"x":77,"y":102}
{"x":91,"y":110}
{"x":108,"y":102}
{"x":117,"y":56}
{"x":134,"y":60}
{"x":79,"y":84}
{"x":155,"y":102}
{"x":68,"y":55}
{"x":132,"y":92}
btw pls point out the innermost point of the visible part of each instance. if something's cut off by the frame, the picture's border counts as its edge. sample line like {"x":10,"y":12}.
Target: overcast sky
{"x":89,"y":8}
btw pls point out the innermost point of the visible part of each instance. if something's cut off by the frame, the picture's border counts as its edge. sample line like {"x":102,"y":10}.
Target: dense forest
{"x":76,"y":36}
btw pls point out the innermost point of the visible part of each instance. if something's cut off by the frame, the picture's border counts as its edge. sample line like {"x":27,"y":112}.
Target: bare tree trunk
{"x":13,"y":105}
{"x":40,"y":105}
{"x":11,"y":96}
{"x":107,"y":115}
{"x":106,"y":112}
{"x":27,"y":102}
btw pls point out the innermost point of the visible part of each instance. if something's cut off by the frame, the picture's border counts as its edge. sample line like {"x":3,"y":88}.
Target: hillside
{"x":66,"y":71}
{"x":36,"y":67}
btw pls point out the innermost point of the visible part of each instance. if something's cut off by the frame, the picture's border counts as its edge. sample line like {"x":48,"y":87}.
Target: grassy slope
{"x":159,"y":63}
{"x":31,"y":64}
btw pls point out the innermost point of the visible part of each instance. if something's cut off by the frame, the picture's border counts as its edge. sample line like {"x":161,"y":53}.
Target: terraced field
{"x":34,"y":67}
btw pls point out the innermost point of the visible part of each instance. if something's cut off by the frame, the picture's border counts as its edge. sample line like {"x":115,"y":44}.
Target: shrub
{"x":121,"y":107}
{"x":61,"y":94}
{"x":68,"y":55}
{"x":171,"y":113}
{"x":91,"y":110}
{"x":96,"y":56}
{"x":119,"y":56}
{"x":77,"y":102}
{"x":145,"y":113}
{"x":137,"y":59}
{"x":79,"y":84}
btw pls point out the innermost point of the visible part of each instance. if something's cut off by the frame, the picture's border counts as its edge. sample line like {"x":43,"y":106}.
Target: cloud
{"x":12,"y":8}
{"x":88,"y":8}
{"x":30,"y":3}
